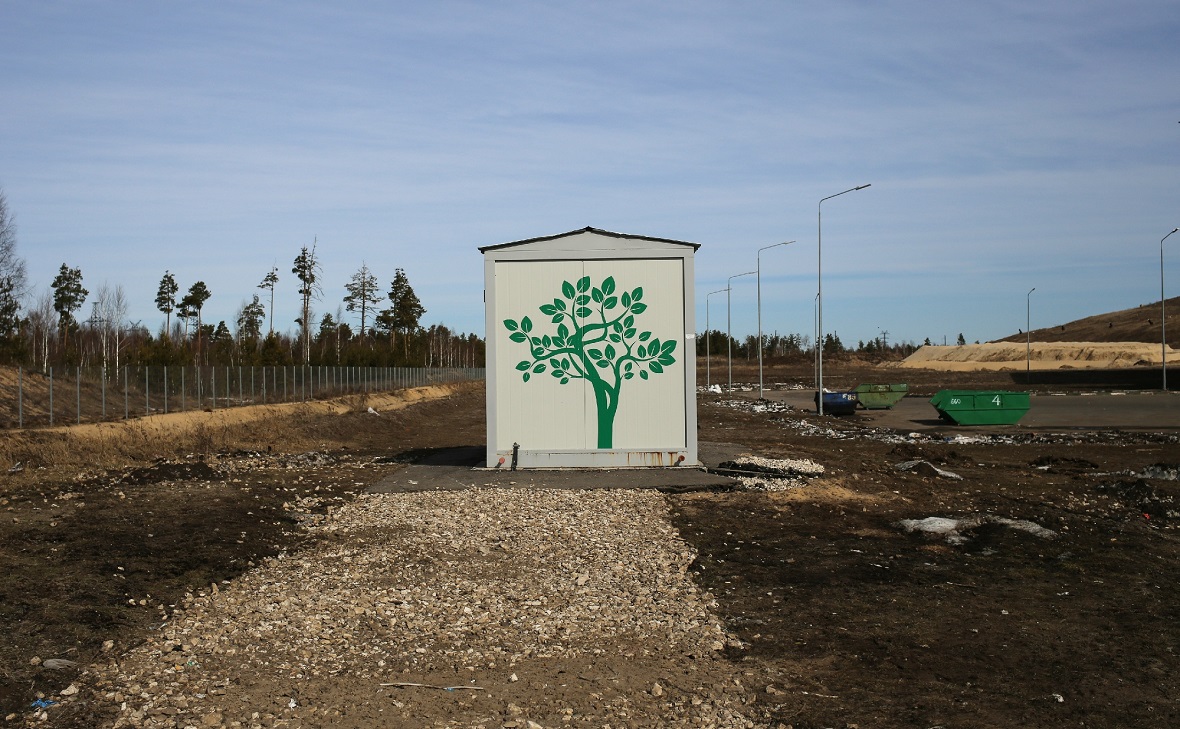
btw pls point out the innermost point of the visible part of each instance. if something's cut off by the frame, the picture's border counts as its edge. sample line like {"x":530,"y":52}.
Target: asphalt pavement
{"x":1133,"y":410}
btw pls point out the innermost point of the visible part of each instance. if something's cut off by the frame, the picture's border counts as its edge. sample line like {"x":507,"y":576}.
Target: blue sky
{"x":1009,"y":145}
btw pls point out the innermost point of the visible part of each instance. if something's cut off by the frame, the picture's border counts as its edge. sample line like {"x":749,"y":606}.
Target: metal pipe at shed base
{"x":528,"y":459}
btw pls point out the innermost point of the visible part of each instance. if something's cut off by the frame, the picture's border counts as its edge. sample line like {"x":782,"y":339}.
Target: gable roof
{"x":582,"y":231}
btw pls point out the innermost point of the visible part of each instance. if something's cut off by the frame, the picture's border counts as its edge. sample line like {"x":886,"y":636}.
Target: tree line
{"x":792,"y":347}
{"x":47,"y":330}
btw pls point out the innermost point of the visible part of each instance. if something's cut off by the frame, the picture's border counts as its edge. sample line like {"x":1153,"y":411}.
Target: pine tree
{"x":13,"y":273}
{"x":362,"y":295}
{"x":268,"y":282}
{"x":68,"y":297}
{"x":166,"y":299}
{"x":307,"y":270}
{"x":194,"y":301}
{"x":406,"y":310}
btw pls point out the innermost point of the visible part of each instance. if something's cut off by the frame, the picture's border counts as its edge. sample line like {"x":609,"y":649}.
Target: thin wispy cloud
{"x":1009,"y":145}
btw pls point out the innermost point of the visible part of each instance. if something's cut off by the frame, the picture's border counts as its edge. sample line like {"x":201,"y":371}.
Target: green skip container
{"x":981,"y":407}
{"x":880,"y":397}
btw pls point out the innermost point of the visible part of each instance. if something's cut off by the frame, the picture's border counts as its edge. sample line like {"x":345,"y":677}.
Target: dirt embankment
{"x":1003,"y":356}
{"x":262,"y":428}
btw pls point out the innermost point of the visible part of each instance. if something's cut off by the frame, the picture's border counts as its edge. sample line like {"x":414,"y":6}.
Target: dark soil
{"x":846,"y":619}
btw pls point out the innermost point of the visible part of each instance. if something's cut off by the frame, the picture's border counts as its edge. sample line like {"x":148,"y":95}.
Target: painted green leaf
{"x":567,"y":289}
{"x":526,"y":377}
{"x":654,"y":346}
{"x":524,"y":364}
{"x":537,"y":352}
{"x":628,"y":321}
{"x":557,"y":373}
{"x":526,"y":325}
{"x":642,"y":351}
{"x":642,"y":373}
{"x":565,"y":362}
{"x":667,"y":360}
{"x":645,"y":336}
{"x":630,"y":333}
{"x":655,"y":367}
{"x":583,"y":284}
{"x":668,"y":346}
{"x":559,"y":342}
{"x":563,"y":331}
{"x":638,"y":308}
{"x":559,"y":304}
{"x":610,"y":351}
{"x":594,"y":353}
{"x":602,"y":363}
{"x":557,"y":318}
{"x":608,"y":285}
{"x":628,"y":376}
{"x":626,"y":299}
{"x":536,"y":341}
{"x":518,"y":337}
{"x":511,"y":325}
{"x":611,"y":302}
{"x":539,"y":368}
{"x":582,"y":300}
{"x":617,"y":327}
{"x":597,"y":295}
{"x":637,"y":294}
{"x":546,"y":341}
{"x":582,"y":313}
{"x":564,"y":380}
{"x":548,"y":309}
{"x":616,"y":338}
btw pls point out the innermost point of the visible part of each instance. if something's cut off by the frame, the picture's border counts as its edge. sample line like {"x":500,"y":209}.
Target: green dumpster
{"x":981,"y":407}
{"x":880,"y":397}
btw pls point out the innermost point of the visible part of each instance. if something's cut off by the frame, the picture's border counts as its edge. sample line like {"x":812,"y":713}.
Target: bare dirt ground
{"x":1052,"y":604}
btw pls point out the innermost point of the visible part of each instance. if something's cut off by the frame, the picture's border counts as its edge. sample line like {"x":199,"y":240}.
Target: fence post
{"x":104,"y":391}
{"x":20,"y":397}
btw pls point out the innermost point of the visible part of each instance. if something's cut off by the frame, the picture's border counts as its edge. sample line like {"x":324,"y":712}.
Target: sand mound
{"x":1043,"y":356}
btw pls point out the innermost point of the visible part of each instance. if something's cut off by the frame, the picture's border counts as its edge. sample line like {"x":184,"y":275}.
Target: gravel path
{"x":510,"y":608}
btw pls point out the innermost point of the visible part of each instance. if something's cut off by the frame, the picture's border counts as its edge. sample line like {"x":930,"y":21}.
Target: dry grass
{"x":288,"y":427}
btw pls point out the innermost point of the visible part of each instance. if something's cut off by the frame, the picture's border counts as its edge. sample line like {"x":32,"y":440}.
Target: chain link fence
{"x":74,"y":395}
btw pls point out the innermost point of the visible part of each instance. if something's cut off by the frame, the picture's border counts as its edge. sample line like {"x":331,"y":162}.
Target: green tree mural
{"x":596,"y":341}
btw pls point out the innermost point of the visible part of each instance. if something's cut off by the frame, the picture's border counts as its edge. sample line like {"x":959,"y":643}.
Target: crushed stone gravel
{"x":445,"y":589}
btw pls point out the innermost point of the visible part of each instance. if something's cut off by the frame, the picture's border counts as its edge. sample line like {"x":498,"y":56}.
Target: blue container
{"x":838,"y":403}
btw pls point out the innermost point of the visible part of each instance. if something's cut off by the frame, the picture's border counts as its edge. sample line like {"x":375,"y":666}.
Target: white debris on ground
{"x":754,"y":473}
{"x":484,"y":587}
{"x":810,"y":428}
{"x":926,"y":468}
{"x":953,"y":529}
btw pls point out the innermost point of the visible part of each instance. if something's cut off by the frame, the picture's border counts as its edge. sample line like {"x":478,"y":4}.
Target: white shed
{"x":591,"y":351}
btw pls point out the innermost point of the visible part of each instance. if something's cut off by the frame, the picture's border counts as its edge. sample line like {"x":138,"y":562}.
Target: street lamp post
{"x":815,"y":331}
{"x":729,"y":321}
{"x":819,"y":315}
{"x":759,"y":257}
{"x":708,"y":374}
{"x":1164,"y":316}
{"x":1028,"y":334}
